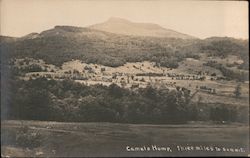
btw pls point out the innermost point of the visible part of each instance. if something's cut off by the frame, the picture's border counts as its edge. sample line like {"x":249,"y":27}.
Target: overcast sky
{"x":198,"y":18}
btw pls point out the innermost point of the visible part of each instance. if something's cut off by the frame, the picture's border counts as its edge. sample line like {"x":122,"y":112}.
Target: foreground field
{"x":35,"y":138}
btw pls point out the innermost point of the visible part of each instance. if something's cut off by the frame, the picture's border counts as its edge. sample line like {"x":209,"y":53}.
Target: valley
{"x":191,"y":74}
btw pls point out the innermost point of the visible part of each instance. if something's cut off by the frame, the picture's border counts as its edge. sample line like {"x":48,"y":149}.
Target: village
{"x":131,"y":75}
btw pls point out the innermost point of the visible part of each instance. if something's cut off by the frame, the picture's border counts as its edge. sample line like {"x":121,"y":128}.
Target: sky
{"x":201,"y":19}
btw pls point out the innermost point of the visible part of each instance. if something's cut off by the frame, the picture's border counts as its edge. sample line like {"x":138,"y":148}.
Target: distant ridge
{"x":126,"y":27}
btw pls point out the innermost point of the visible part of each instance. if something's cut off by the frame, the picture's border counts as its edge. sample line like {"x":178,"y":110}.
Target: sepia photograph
{"x":124,"y":78}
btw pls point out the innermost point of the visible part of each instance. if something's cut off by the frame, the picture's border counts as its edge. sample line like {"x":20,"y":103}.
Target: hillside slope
{"x":64,"y":43}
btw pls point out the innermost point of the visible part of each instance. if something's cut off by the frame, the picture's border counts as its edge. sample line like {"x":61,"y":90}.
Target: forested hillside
{"x":64,"y":43}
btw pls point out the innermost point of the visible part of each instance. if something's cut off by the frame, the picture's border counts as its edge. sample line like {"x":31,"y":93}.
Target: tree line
{"x":53,"y":100}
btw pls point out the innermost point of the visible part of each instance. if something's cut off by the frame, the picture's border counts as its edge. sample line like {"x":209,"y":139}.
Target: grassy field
{"x":224,"y":89}
{"x":40,"y":138}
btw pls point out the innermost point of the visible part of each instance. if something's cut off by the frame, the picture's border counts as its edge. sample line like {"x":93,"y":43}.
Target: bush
{"x":27,"y":138}
{"x":223,"y":113}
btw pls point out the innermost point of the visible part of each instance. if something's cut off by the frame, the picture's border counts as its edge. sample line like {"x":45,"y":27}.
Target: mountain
{"x":125,"y":27}
{"x":64,"y":43}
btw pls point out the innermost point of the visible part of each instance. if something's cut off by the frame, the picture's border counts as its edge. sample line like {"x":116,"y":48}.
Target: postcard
{"x":124,"y":78}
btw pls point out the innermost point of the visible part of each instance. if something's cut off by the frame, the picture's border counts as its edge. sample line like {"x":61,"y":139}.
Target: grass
{"x":111,"y":139}
{"x":224,"y":89}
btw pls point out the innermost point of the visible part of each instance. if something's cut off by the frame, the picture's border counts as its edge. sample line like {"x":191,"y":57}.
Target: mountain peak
{"x":126,"y":27}
{"x":116,"y":19}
